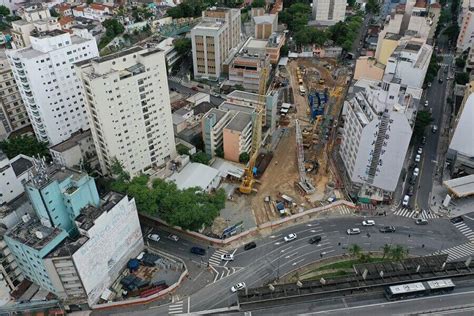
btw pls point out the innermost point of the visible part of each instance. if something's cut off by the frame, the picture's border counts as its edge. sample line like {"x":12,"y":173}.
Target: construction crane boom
{"x":248,"y":180}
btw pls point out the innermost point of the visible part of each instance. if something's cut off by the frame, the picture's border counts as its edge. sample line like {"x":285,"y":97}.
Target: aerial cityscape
{"x":236,"y":157}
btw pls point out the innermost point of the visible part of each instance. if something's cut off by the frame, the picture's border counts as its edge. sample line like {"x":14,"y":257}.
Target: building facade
{"x":78,"y":151}
{"x":246,"y":70}
{"x":237,"y":136}
{"x":49,"y":85}
{"x":377,"y":131}
{"x":329,"y":12}
{"x":129,"y":109}
{"x":213,"y":123}
{"x":265,"y":25}
{"x":213,"y":39}
{"x":13,"y":173}
{"x":466,"y":32}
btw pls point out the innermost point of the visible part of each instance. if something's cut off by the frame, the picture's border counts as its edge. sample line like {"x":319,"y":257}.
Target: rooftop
{"x":210,"y":25}
{"x":217,"y":112}
{"x":45,"y":34}
{"x":20,"y":165}
{"x":229,"y":106}
{"x":89,"y":214}
{"x":244,"y":95}
{"x":44,"y":175}
{"x":265,"y":19}
{"x":461,"y":187}
{"x":194,"y":175}
{"x":393,"y":36}
{"x":29,"y":233}
{"x":72,"y":141}
{"x":67,"y":247}
{"x":177,"y":119}
{"x":203,"y":107}
{"x":257,"y":44}
{"x":183,"y":111}
{"x":119,"y":54}
{"x":239,"y":122}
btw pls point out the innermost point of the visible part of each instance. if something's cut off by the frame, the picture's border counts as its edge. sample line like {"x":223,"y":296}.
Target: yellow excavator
{"x":246,"y":187}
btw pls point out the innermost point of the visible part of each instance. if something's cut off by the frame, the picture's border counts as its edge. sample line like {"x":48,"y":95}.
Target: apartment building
{"x":213,"y":39}
{"x":377,"y":130}
{"x":10,"y":273}
{"x":329,"y":12}
{"x":237,"y":136}
{"x":246,"y":70}
{"x":409,"y":63}
{"x":35,"y":16}
{"x":13,"y":115}
{"x":265,"y":25}
{"x":466,"y":32}
{"x":49,"y":85}
{"x":78,"y":151}
{"x":129,"y":109}
{"x":213,"y":123}
{"x":13,"y":173}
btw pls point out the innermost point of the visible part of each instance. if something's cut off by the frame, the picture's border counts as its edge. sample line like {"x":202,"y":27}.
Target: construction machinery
{"x":248,"y":180}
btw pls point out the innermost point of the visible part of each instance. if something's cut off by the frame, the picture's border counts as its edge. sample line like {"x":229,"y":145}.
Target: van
{"x":406,"y":200}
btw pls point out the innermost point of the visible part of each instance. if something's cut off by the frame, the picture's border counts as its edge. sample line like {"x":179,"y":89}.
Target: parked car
{"x":410,"y":190}
{"x":198,"y":251}
{"x":440,"y":80}
{"x":417,"y":158}
{"x":238,"y":287}
{"x":457,"y":219}
{"x":368,"y":222}
{"x":387,"y":229}
{"x":290,"y":237}
{"x":429,"y":84}
{"x":426,"y":103}
{"x":406,"y":200}
{"x":416,"y":172}
{"x":250,"y":245}
{"x":423,"y":140}
{"x":421,"y":221}
{"x":420,"y":150}
{"x":173,"y":237}
{"x":412,"y":180}
{"x":434,"y":129}
{"x":227,"y":257}
{"x":154,"y":237}
{"x":353,"y":231}
{"x":315,"y":240}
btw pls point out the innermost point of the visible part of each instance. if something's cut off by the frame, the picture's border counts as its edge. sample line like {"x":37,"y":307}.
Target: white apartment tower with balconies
{"x":48,"y":83}
{"x":378,"y":125}
{"x":129,"y":109}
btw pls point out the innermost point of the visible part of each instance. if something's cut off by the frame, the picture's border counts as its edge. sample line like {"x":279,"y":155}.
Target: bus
{"x":411,"y":290}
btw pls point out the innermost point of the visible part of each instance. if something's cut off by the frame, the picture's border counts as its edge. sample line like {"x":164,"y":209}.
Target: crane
{"x":248,"y":180}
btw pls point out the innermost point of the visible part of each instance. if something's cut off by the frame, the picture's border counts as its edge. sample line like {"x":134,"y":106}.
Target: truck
{"x":302,"y":90}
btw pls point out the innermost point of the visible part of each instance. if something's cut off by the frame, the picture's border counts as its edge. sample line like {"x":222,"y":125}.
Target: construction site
{"x":298,"y":172}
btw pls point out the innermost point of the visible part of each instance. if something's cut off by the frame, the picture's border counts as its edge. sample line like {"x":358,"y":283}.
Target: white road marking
{"x":296,"y":262}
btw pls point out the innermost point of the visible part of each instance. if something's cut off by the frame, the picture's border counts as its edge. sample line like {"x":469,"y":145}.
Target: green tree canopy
{"x":354,"y":250}
{"x":460,"y":62}
{"x":462,"y":78}
{"x":4,"y":11}
{"x":398,"y":253}
{"x":201,"y":157}
{"x":259,"y":4}
{"x":182,"y":45}
{"x":372,"y":7}
{"x":26,"y":145}
{"x":423,"y":119}
{"x":244,"y":157}
{"x":296,"y":16}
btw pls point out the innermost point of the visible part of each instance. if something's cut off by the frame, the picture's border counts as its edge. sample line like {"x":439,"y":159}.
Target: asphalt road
{"x":273,"y":257}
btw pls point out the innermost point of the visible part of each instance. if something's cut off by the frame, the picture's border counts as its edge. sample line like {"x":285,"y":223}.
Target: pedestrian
{"x":409,"y":235}
{"x":321,"y":255}
{"x":339,"y":243}
{"x":423,"y":246}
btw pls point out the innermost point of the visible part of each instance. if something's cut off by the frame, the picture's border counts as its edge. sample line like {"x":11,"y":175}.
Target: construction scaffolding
{"x":304,"y":182}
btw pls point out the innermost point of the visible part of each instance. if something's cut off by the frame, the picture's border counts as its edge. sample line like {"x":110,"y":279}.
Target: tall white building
{"x":213,"y":40}
{"x":49,"y":85}
{"x":377,"y":129}
{"x":466,"y":33}
{"x":409,"y":63}
{"x":129,"y":109}
{"x":329,"y":12}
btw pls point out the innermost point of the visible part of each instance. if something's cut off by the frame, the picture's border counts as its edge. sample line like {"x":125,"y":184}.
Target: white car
{"x":406,"y":199}
{"x":420,"y":150}
{"x":426,"y":103}
{"x":353,"y":231}
{"x":290,"y":237}
{"x":417,"y":158}
{"x":238,"y":287}
{"x":416,"y":172}
{"x":154,"y":237}
{"x":173,"y":237}
{"x":368,"y":222}
{"x":227,"y":257}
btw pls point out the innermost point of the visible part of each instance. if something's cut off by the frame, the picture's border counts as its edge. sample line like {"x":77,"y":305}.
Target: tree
{"x":182,"y":150}
{"x":372,"y":7}
{"x":460,"y":62}
{"x":386,"y":250}
{"x":113,"y":27}
{"x":118,"y":171}
{"x":219,"y":152}
{"x":284,"y":50}
{"x":54,"y":13}
{"x":4,"y":11}
{"x":354,"y":250}
{"x":182,"y":46}
{"x":462,"y":78}
{"x":89,"y":2}
{"x":26,"y":145}
{"x":423,"y":119}
{"x":258,"y":4}
{"x":244,"y":157}
{"x":351,"y":3}
{"x":201,"y":157}
{"x":398,"y":253}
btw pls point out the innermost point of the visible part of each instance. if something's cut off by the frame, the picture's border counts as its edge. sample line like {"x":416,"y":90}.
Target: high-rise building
{"x":213,"y":40}
{"x":213,"y":123}
{"x":329,"y":12}
{"x":237,"y":136}
{"x":48,"y":83}
{"x":13,"y":115}
{"x":466,"y":33}
{"x":129,"y":109}
{"x":377,"y":130}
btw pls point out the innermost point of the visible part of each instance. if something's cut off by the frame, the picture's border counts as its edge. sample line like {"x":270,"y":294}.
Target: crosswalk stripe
{"x":460,"y":251}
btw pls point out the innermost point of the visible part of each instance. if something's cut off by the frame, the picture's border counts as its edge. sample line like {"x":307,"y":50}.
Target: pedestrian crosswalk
{"x":465,"y":230}
{"x":215,"y":259}
{"x":344,"y":210}
{"x":176,"y":308}
{"x":405,"y":212}
{"x":458,"y":252}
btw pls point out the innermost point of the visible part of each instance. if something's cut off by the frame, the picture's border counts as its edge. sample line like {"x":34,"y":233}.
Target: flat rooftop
{"x":217,"y":112}
{"x":72,"y":141}
{"x":67,"y":247}
{"x":244,"y":95}
{"x":229,"y":106}
{"x":239,"y":122}
{"x":209,"y":25}
{"x":21,"y":165}
{"x":27,"y":233}
{"x":257,"y":44}
{"x":194,"y":175}
{"x":89,"y":214}
{"x":53,"y":173}
{"x":461,"y":187}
